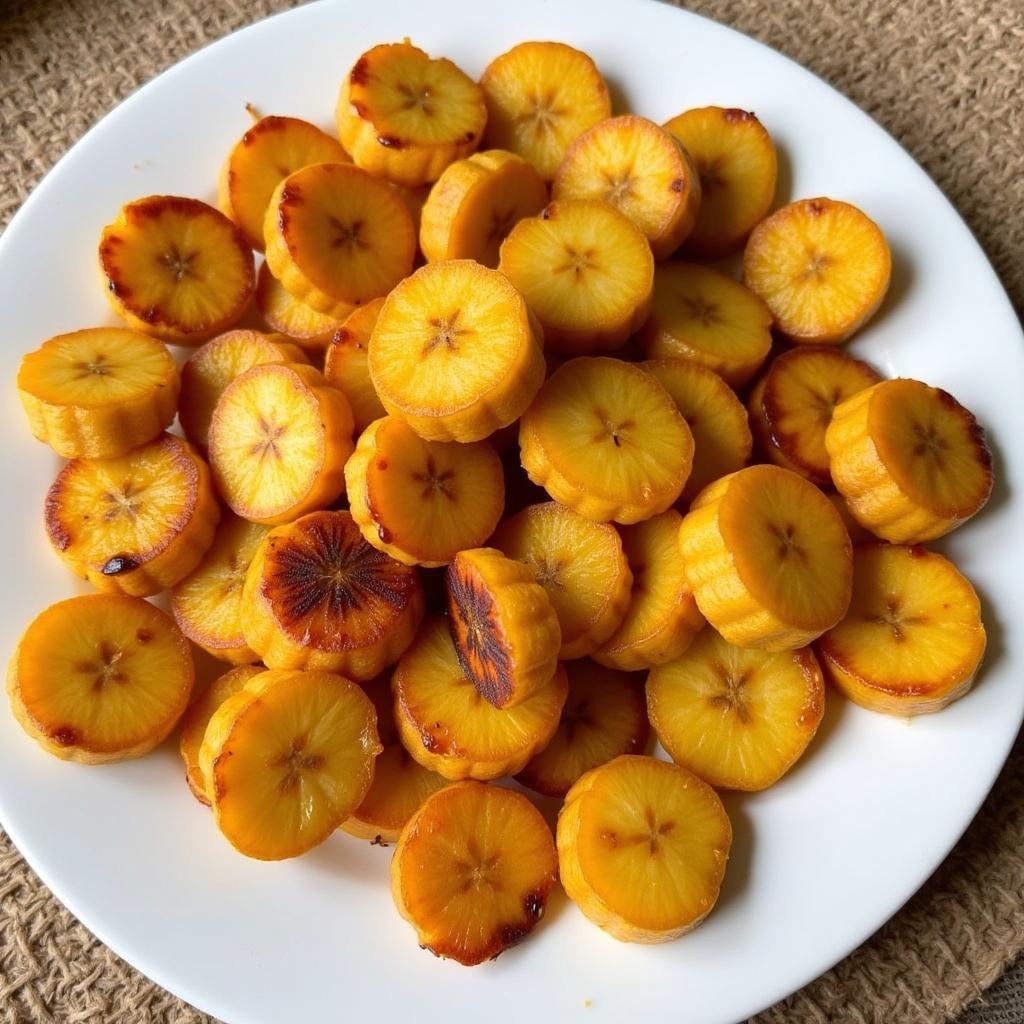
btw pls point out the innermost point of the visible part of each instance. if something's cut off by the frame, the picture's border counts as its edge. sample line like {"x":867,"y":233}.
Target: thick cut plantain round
{"x":641,"y":170}
{"x":913,"y":638}
{"x":792,"y":404}
{"x":703,"y":315}
{"x":337,"y":237}
{"x":455,"y":352}
{"x":407,"y":116}
{"x":98,"y":393}
{"x":213,"y":366}
{"x":504,"y":626}
{"x":910,"y":460}
{"x":269,"y":151}
{"x":136,"y":524}
{"x":540,"y":97}
{"x":586,"y":272}
{"x":278,"y":441}
{"x":176,"y":268}
{"x":605,"y":438}
{"x":579,"y":563}
{"x":768,"y":558}
{"x":100,"y":678}
{"x":287,"y":759}
{"x":821,"y":266}
{"x":207,"y":603}
{"x":317,"y":596}
{"x":472,"y":871}
{"x":740,"y":719}
{"x":422,"y":502}
{"x":736,"y":161}
{"x":642,"y":848}
{"x":604,"y":717}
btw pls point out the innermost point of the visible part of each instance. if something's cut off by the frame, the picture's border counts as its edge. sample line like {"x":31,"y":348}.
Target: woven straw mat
{"x":944,"y":77}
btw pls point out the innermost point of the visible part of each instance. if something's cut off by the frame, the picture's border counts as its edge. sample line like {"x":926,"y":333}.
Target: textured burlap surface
{"x":944,"y":77}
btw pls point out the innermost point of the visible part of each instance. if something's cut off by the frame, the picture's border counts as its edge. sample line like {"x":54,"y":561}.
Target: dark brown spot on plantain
{"x":119,"y":564}
{"x":533,"y":904}
{"x":143,"y":635}
{"x":974,"y":428}
{"x":469,"y":137}
{"x":511,"y":935}
{"x":291,"y":194}
{"x":263,"y":125}
{"x":382,"y":464}
{"x":152,"y":207}
{"x":479,"y":640}
{"x":360,"y":73}
{"x":984,"y":452}
{"x":391,"y":142}
{"x":58,"y":533}
{"x":734,"y":114}
{"x":676,"y":185}
{"x":284,"y":221}
{"x":64,"y":735}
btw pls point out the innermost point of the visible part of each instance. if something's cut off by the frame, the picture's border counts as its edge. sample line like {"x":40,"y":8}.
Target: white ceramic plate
{"x":819,"y":862}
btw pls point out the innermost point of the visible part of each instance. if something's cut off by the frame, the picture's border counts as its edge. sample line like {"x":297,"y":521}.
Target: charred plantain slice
{"x":504,"y":626}
{"x":317,"y":596}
